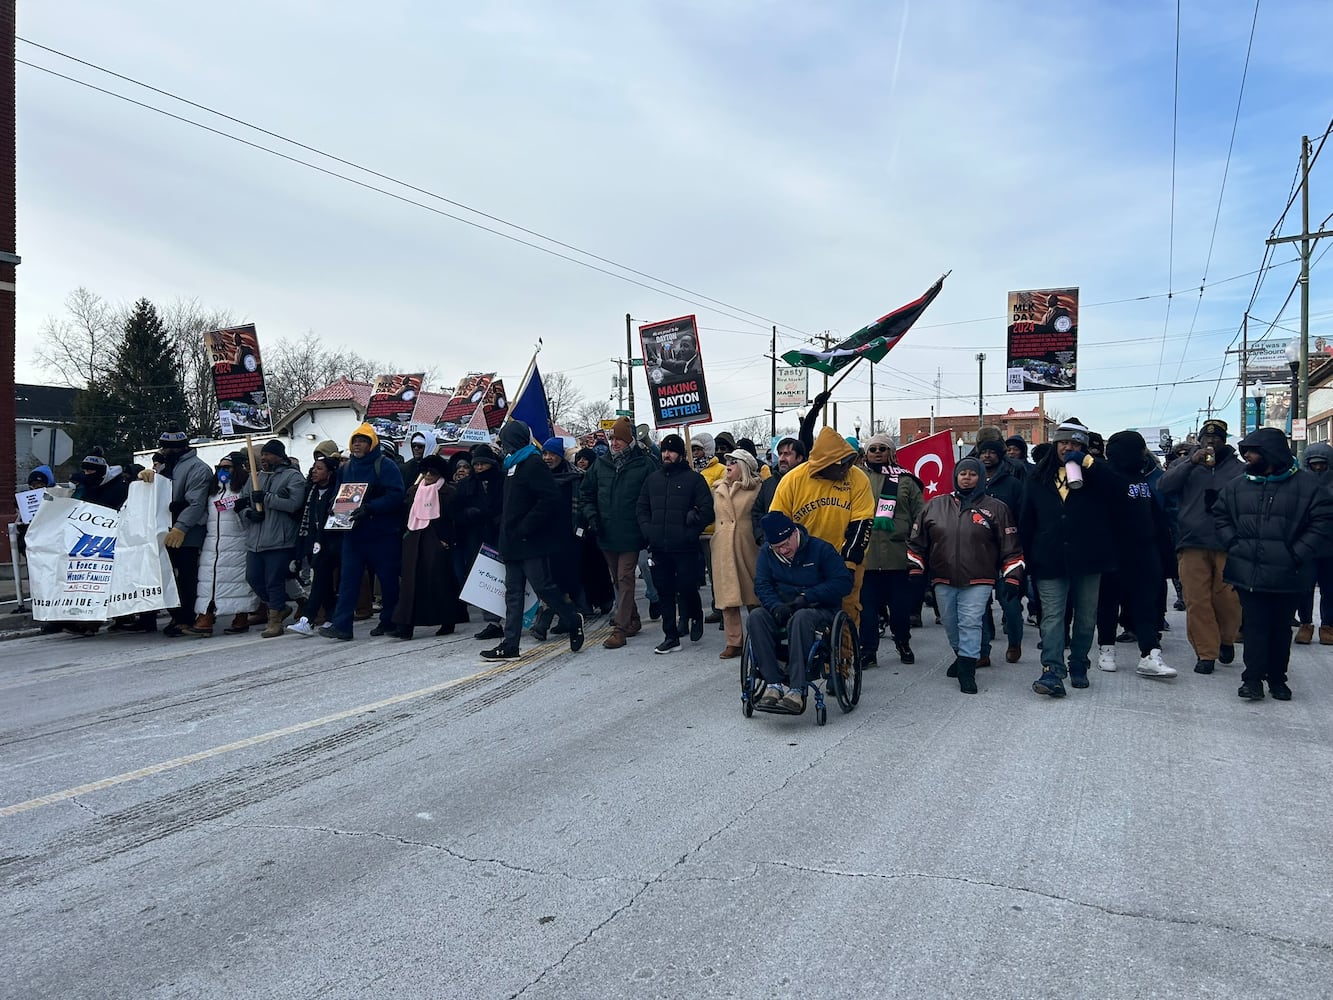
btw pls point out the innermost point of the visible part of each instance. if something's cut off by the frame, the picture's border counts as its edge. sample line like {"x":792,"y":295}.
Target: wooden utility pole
{"x":826,"y":339}
{"x":773,"y":387}
{"x":1300,"y":406}
{"x":629,"y":362}
{"x":9,"y":260}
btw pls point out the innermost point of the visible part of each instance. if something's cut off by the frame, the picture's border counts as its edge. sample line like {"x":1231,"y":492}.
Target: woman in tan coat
{"x":735,"y":553}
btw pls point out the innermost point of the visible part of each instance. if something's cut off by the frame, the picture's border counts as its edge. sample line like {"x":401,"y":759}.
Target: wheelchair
{"x":835,"y":658}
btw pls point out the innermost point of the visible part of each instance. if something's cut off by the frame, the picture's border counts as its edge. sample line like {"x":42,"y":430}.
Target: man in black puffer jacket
{"x":1275,"y":521}
{"x":674,"y":507}
{"x":533,"y":523}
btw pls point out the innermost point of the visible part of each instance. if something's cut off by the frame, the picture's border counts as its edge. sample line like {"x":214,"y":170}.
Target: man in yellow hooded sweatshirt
{"x":831,"y":498}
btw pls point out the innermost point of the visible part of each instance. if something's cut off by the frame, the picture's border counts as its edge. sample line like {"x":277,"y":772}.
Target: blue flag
{"x":532,"y":407}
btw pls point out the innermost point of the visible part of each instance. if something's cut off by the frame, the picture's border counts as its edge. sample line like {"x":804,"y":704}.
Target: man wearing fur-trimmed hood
{"x":831,"y":498}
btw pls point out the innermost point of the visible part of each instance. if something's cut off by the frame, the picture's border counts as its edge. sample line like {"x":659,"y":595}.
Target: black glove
{"x":822,"y":398}
{"x":358,"y":514}
{"x":781,"y":614}
{"x":257,"y":497}
{"x":692,"y":518}
{"x":595,"y":524}
{"x":799,"y":603}
{"x":252,"y":515}
{"x":241,"y":504}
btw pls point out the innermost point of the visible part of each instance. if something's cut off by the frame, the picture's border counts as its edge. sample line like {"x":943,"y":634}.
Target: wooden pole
{"x":254,"y":469}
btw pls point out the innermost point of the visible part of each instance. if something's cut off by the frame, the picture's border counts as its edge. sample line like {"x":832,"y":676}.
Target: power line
{"x":757,"y":318}
{"x":1171,"y":227}
{"x":1217,"y":215}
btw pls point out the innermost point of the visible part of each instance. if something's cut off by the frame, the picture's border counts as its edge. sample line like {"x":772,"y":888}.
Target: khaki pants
{"x":731,"y":622}
{"x":623,"y":566}
{"x":1212,"y":609}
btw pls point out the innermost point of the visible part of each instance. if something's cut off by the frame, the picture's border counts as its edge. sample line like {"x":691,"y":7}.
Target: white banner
{"x":792,"y":387}
{"x":485,"y":587}
{"x":88,"y":563}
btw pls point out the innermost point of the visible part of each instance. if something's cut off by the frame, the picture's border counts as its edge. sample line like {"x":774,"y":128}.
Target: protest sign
{"x":238,"y":378}
{"x":1042,"y":349}
{"x":87,"y":563}
{"x":675,"y":369}
{"x":485,"y":587}
{"x":349,"y":497}
{"x":478,"y":406}
{"x":393,"y":399}
{"x":27,"y":503}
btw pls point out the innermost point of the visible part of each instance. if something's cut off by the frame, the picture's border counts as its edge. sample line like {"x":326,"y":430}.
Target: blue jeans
{"x":384,"y":557}
{"x":962,"y":609}
{"x":1010,"y":600}
{"x":1055,"y":593}
{"x":266,"y":573}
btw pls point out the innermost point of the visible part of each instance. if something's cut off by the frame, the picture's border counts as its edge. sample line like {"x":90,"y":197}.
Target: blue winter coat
{"x":385,"y":496}
{"x":816,"y":570}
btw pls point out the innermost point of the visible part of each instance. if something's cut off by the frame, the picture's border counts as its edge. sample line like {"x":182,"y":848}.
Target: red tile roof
{"x":429,"y":404}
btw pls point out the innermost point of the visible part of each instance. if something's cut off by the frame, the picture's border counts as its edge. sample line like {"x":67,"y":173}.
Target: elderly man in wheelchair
{"x":800,"y":582}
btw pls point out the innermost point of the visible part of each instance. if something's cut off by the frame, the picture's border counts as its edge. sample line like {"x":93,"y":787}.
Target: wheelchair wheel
{"x":748,"y":692}
{"x":844,"y":662}
{"x":821,"y":715}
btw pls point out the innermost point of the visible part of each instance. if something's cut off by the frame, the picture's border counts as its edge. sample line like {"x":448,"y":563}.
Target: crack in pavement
{"x":660,"y":877}
{"x":407,"y":842}
{"x":86,"y":808}
{"x":1100,"y":907}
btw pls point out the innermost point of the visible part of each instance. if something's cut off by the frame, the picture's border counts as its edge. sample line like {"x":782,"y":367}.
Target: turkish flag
{"x":931,"y":460}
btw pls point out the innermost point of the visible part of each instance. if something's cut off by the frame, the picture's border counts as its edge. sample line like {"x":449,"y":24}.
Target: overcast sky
{"x":815,"y":164}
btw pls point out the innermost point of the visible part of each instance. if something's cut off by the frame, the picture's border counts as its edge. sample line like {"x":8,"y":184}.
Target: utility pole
{"x":619,"y":378}
{"x":1245,"y":374}
{"x":826,"y":339}
{"x":872,"y":399}
{"x":981,"y":398}
{"x":629,"y":353}
{"x":773,"y":384}
{"x":9,"y":261}
{"x":1306,"y":239}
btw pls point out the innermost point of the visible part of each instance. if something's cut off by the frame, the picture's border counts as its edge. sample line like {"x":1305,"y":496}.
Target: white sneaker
{"x":1106,"y":658}
{"x":1152,"y":666}
{"x":302,"y":628}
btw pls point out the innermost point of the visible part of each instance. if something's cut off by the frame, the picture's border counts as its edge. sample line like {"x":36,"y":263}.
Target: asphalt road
{"x":242,"y":817}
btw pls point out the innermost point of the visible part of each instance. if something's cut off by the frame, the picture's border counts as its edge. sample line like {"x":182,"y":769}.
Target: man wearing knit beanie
{"x":608,"y":496}
{"x":672,"y":509}
{"x":1067,"y":545}
{"x":529,"y":540}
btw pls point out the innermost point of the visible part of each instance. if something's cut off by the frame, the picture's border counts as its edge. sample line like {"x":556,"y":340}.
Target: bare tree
{"x":889,"y":427}
{"x":77,"y":349}
{"x":589,"y":416}
{"x":562,"y":395}
{"x":293,"y":369}
{"x":755,"y":428}
{"x":186,"y":322}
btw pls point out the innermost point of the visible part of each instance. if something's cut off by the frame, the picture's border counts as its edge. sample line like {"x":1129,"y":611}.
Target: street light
{"x":960,"y":448}
{"x":856,"y":426}
{"x":1259,"y":391}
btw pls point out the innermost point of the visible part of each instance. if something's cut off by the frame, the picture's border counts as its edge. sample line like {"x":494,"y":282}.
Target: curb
{"x":23,"y":633}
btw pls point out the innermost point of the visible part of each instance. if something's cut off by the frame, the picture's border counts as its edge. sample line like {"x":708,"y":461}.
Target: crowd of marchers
{"x":1089,"y":532}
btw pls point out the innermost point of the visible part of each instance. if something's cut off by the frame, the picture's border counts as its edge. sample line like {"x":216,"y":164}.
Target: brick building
{"x":1028,"y":424}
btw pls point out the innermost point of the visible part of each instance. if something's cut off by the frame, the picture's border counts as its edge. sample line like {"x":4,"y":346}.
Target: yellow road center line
{"x":300,"y":727}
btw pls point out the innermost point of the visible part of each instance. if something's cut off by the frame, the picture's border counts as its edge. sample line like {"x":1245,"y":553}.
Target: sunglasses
{"x":878,"y":447}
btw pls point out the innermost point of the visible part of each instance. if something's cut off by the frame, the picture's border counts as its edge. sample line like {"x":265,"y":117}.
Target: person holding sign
{"x":531,"y":520}
{"x":40,"y":480}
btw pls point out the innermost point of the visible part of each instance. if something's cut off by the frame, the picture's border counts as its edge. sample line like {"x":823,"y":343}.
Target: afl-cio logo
{"x":1062,"y":324}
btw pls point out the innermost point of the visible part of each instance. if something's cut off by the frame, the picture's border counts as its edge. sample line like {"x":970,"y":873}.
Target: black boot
{"x":967,"y":674}
{"x":905,"y":653}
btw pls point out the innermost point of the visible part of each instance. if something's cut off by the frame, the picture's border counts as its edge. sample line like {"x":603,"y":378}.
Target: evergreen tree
{"x":141,"y":394}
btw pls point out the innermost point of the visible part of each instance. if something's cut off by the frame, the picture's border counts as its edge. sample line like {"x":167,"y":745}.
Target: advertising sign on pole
{"x":675,"y":369}
{"x":1042,"y":353}
{"x":791,"y":387}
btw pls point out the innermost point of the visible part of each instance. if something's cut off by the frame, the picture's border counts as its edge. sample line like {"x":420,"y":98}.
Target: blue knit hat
{"x":556,"y":446}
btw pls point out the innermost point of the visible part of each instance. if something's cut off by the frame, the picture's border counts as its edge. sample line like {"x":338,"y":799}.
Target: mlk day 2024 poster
{"x":393,"y":399}
{"x":1042,"y":346}
{"x":238,"y":379}
{"x":675,"y":367}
